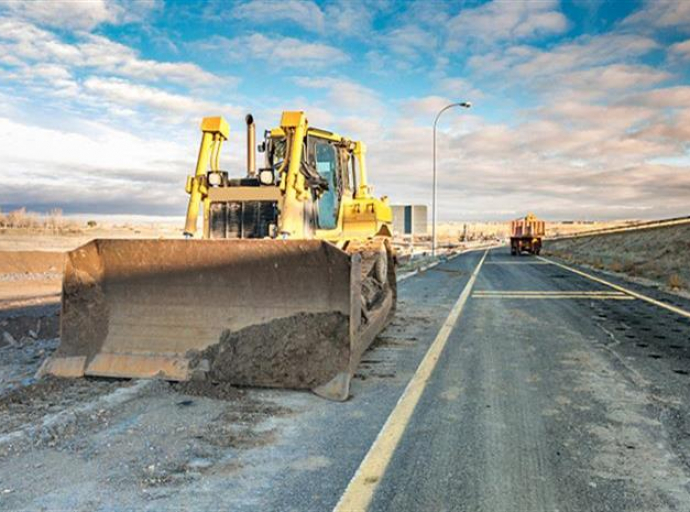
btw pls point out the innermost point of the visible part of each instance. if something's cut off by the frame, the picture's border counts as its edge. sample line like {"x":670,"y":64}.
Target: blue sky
{"x":581,"y":107}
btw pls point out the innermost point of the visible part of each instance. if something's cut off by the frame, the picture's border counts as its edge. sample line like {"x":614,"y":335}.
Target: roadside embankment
{"x":29,"y":276}
{"x":659,"y":254}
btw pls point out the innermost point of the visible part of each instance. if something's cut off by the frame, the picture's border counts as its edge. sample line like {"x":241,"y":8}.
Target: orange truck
{"x":526,"y":235}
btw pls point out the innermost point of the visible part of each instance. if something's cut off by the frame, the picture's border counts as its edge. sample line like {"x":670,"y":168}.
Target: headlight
{"x":266,"y":177}
{"x":214,"y":179}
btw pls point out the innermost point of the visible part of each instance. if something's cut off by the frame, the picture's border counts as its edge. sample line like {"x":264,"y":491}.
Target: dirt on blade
{"x":302,"y":352}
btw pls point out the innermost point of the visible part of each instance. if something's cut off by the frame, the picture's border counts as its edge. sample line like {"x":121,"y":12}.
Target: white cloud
{"x":105,"y":165}
{"x":117,"y":149}
{"x":588,"y":68}
{"x":345,"y":95}
{"x":460,"y":88}
{"x":352,"y":18}
{"x":582,"y":53}
{"x":25,"y":41}
{"x":28,"y":44}
{"x":410,"y":41}
{"x":80,"y":15}
{"x":52,"y":79}
{"x":280,"y":52}
{"x":680,"y":50}
{"x":303,"y":13}
{"x":564,"y":156}
{"x":105,"y":55}
{"x":505,"y":21}
{"x":615,"y":77}
{"x":669,"y":97}
{"x":661,"y":14}
{"x":130,"y":94}
{"x":426,"y":107}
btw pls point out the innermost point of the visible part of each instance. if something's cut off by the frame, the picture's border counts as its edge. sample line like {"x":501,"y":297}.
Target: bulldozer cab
{"x":326,"y":159}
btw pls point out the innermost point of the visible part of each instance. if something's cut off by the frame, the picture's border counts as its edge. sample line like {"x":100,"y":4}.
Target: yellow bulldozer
{"x":292,"y":279}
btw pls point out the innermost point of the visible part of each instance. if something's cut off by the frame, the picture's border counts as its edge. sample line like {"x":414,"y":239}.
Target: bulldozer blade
{"x":270,"y":313}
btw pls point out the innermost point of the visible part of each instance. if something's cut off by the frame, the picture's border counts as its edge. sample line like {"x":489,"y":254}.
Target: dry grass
{"x":616,"y":266}
{"x":52,"y":222}
{"x":630,"y":268}
{"x":675,"y":282}
{"x":660,"y":254}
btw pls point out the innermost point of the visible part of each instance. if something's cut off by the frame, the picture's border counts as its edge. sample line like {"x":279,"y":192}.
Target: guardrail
{"x":620,"y":229}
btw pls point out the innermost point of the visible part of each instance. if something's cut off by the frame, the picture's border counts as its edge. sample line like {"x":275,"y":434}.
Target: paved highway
{"x":553,"y":392}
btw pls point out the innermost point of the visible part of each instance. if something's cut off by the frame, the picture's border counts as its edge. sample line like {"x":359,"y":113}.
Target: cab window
{"x":326,"y":159}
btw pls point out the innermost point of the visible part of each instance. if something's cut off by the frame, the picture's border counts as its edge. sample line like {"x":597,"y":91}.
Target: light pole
{"x":463,"y":104}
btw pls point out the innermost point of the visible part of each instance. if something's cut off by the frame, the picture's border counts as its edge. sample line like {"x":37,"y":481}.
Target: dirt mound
{"x":302,"y":351}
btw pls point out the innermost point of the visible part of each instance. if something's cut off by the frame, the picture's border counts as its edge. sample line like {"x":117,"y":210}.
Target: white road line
{"x":361,"y":488}
{"x":555,"y":297}
{"x":515,"y":263}
{"x":670,"y":307}
{"x":545,"y":292}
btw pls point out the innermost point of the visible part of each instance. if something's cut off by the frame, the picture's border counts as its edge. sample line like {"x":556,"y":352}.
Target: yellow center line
{"x":361,"y":488}
{"x":640,"y":296}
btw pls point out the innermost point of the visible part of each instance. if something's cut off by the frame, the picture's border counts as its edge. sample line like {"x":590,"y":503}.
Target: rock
{"x":199,"y":464}
{"x":8,"y":338}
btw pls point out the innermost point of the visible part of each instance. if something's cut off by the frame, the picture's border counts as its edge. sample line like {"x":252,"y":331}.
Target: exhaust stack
{"x":251,"y":145}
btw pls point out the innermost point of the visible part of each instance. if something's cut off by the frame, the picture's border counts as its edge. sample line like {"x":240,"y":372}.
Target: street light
{"x":463,"y":104}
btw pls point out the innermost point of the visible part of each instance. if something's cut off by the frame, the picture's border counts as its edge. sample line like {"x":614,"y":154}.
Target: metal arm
{"x":363,"y":189}
{"x":291,"y":222}
{"x":215,"y":131}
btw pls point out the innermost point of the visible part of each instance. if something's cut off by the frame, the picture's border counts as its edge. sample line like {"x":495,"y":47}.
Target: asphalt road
{"x":567,"y":398}
{"x":552,"y":392}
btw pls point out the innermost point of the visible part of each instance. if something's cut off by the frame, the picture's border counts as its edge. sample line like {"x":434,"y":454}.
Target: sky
{"x":581,"y":108}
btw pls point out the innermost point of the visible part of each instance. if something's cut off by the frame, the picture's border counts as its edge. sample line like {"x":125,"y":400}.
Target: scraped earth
{"x":107,"y":434}
{"x":113,"y":435}
{"x":106,"y":441}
